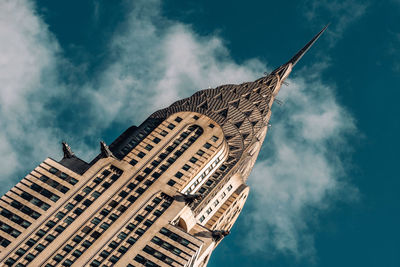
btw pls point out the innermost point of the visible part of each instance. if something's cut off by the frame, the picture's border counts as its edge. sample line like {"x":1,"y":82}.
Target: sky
{"x":324,"y":191}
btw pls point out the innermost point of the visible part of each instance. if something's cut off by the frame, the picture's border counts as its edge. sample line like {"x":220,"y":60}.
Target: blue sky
{"x":325,"y":187}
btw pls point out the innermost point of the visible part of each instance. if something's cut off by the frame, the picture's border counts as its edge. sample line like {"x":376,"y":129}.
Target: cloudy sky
{"x":325,"y":187}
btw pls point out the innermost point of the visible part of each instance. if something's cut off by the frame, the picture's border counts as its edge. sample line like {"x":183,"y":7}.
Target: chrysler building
{"x":164,"y":193}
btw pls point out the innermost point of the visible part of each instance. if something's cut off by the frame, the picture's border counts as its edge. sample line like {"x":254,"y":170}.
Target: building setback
{"x":162,"y":194}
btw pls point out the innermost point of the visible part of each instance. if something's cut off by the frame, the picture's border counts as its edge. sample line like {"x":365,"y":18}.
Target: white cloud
{"x":26,"y":60}
{"x":303,"y":171}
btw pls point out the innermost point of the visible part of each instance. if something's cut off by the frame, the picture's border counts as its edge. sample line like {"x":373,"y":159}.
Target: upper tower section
{"x":242,"y":110}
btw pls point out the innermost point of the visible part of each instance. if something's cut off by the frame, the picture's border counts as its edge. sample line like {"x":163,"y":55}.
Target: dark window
{"x":86,"y":243}
{"x":67,"y":262}
{"x":131,"y":186}
{"x":59,"y":229}
{"x":86,"y":229}
{"x":114,"y":217}
{"x":122,"y":250}
{"x":211,"y":125}
{"x":186,"y":167}
{"x":29,"y":257}
{"x":73,"y":181}
{"x":171,"y":126}
{"x":133,"y":162}
{"x":156,"y":175}
{"x":95,"y":234}
{"x":77,"y":253}
{"x":69,"y":220}
{"x":78,"y":198}
{"x":105,"y":254}
{"x":171,"y":182}
{"x":69,"y":206}
{"x":50,"y":238}
{"x":207,"y":145}
{"x":156,"y":140}
{"x":123,"y":194}
{"x":131,"y":199}
{"x":202,"y":190}
{"x":53,"y":170}
{"x":178,"y":119}
{"x":139,"y":218}
{"x":148,"y":147}
{"x":178,"y":175}
{"x":214,"y":138}
{"x":113,"y":244}
{"x":141,"y":154}
{"x":60,"y":215}
{"x":122,"y":235}
{"x":163,"y":133}
{"x":87,"y":202}
{"x":193,"y":160}
{"x":131,"y":240}
{"x":195,"y":117}
{"x":77,"y":239}
{"x":30,"y":242}
{"x":140,"y":231}
{"x":200,"y":152}
{"x":40,"y":233}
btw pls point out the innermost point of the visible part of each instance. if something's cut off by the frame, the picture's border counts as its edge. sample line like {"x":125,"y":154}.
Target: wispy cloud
{"x":153,"y":61}
{"x":303,"y":171}
{"x":341,"y":14}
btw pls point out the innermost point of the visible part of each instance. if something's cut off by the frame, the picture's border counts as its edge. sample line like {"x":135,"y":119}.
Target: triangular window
{"x":238,"y":124}
{"x":235,"y":103}
{"x":223,"y":113}
{"x":204,"y":105}
{"x":228,"y":137}
{"x":248,"y":113}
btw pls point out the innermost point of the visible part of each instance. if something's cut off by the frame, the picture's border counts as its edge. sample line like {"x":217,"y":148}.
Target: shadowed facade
{"x":164,"y":193}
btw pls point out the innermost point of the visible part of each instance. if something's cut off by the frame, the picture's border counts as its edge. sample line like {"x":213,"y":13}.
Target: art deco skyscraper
{"x":162,"y":194}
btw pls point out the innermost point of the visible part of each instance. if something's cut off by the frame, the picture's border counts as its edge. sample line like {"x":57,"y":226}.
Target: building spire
{"x":302,"y":51}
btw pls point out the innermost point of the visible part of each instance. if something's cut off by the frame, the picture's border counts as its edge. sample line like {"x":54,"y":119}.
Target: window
{"x":200,"y":152}
{"x":229,"y":187}
{"x":148,"y":147}
{"x":50,"y":238}
{"x":141,"y":154}
{"x":195,"y":117}
{"x":202,"y":218}
{"x":193,"y":160}
{"x":96,"y":221}
{"x":156,"y":140}
{"x":96,"y":194}
{"x":171,"y":126}
{"x":171,"y":182}
{"x":163,"y":133}
{"x":186,"y":167}
{"x":216,"y":202}
{"x":69,"y":206}
{"x":211,"y":125}
{"x":133,"y":162}
{"x":178,"y":119}
{"x":53,"y":170}
{"x":214,"y":138}
{"x":69,"y":220}
{"x":209,"y":210}
{"x":207,"y":145}
{"x":178,"y":175}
